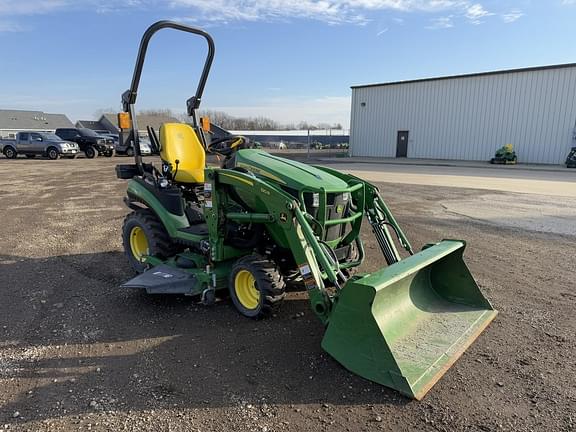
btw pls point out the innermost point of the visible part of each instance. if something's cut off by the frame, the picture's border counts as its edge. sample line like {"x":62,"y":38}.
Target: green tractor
{"x":505,"y":155}
{"x":258,"y":223}
{"x":571,"y":158}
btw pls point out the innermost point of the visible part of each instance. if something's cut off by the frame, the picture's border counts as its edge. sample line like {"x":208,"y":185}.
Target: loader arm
{"x":406,"y":324}
{"x":379,"y":216}
{"x":402,"y":326}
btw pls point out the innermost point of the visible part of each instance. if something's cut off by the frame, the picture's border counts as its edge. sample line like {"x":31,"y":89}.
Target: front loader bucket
{"x":405,"y":325}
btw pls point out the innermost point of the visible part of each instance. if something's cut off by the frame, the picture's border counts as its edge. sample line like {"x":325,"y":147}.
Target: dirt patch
{"x":78,"y":353}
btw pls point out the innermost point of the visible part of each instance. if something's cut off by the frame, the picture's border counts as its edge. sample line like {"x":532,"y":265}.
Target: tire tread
{"x":159,"y":242}
{"x":270,"y":282}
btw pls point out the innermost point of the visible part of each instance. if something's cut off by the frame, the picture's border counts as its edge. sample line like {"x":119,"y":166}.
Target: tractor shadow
{"x":73,"y":342}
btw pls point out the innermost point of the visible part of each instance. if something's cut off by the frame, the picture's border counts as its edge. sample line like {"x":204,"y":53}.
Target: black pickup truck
{"x":89,"y":141}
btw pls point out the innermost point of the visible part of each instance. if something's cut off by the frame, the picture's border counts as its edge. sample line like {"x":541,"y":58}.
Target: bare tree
{"x":157,"y":112}
{"x":100,"y":112}
{"x":229,"y":122}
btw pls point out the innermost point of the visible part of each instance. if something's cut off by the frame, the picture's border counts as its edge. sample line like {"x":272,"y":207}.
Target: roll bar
{"x":130,"y":95}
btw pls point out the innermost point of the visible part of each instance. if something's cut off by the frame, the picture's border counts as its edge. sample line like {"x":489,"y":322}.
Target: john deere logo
{"x":283,"y":217}
{"x":339,"y":208}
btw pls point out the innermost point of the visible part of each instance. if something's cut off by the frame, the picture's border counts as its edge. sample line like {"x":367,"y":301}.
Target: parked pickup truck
{"x":32,"y":144}
{"x":89,"y":141}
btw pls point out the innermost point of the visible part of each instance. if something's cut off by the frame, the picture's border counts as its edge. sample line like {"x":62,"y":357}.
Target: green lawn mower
{"x":571,"y":158}
{"x":505,"y":155}
{"x":258,"y":223}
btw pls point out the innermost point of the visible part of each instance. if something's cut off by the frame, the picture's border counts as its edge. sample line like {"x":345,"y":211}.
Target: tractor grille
{"x":336,"y":208}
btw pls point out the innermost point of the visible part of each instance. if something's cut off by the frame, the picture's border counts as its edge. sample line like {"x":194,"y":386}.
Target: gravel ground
{"x":79,"y":353}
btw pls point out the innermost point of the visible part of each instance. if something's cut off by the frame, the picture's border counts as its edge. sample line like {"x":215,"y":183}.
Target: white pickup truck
{"x":32,"y":144}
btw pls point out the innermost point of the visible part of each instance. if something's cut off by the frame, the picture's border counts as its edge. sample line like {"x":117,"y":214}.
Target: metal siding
{"x":469,"y":118}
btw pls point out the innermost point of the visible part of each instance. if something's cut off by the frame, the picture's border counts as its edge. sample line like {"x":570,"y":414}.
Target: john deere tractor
{"x":505,"y":155}
{"x":571,"y":158}
{"x":255,"y":223}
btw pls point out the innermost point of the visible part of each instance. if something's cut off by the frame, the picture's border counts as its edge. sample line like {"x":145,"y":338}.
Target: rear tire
{"x":256,"y":286}
{"x":10,"y":152}
{"x":130,"y":151}
{"x":30,"y":156}
{"x":91,"y":152}
{"x":52,"y":153}
{"x":144,"y":235}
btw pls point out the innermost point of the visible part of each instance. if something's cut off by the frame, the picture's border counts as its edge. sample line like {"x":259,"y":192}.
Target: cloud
{"x":441,"y":23}
{"x":329,"y":11}
{"x":10,"y":27}
{"x":475,"y":13}
{"x":225,"y":11}
{"x":221,"y":12}
{"x":38,"y":7}
{"x":512,"y":16}
{"x":29,"y":7}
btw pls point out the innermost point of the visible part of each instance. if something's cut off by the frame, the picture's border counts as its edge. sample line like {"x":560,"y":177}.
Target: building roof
{"x":35,"y":120}
{"x":91,"y":124}
{"x":144,"y":120}
{"x":498,"y":72}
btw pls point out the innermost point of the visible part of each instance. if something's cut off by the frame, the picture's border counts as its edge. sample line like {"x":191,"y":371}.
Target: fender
{"x":171,"y":221}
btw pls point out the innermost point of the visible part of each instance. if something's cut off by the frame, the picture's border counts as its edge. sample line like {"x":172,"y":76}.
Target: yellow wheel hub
{"x":138,"y":243}
{"x":246,"y":291}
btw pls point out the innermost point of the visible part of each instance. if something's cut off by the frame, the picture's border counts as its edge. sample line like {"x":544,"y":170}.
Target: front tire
{"x":256,"y":286}
{"x":52,"y":153}
{"x":91,"y":152}
{"x":130,"y":151}
{"x":10,"y":153}
{"x":144,"y":235}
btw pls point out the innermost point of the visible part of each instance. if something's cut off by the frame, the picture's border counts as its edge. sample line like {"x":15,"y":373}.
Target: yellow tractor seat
{"x":179,"y":142}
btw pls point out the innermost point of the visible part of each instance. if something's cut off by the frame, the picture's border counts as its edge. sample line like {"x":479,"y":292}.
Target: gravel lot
{"x":79,"y":353}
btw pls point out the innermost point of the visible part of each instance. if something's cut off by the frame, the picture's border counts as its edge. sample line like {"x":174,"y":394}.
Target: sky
{"x":290,"y":60}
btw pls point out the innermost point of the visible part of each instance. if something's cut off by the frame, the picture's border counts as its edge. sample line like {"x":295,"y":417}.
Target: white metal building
{"x":468,"y":117}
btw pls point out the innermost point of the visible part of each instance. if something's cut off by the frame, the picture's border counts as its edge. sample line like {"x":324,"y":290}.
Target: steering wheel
{"x":227,"y":145}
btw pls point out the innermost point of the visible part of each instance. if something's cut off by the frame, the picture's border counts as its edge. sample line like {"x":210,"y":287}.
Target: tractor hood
{"x":288,"y":173}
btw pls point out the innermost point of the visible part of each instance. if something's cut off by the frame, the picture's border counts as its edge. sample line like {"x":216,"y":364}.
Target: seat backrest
{"x":178,"y":141}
